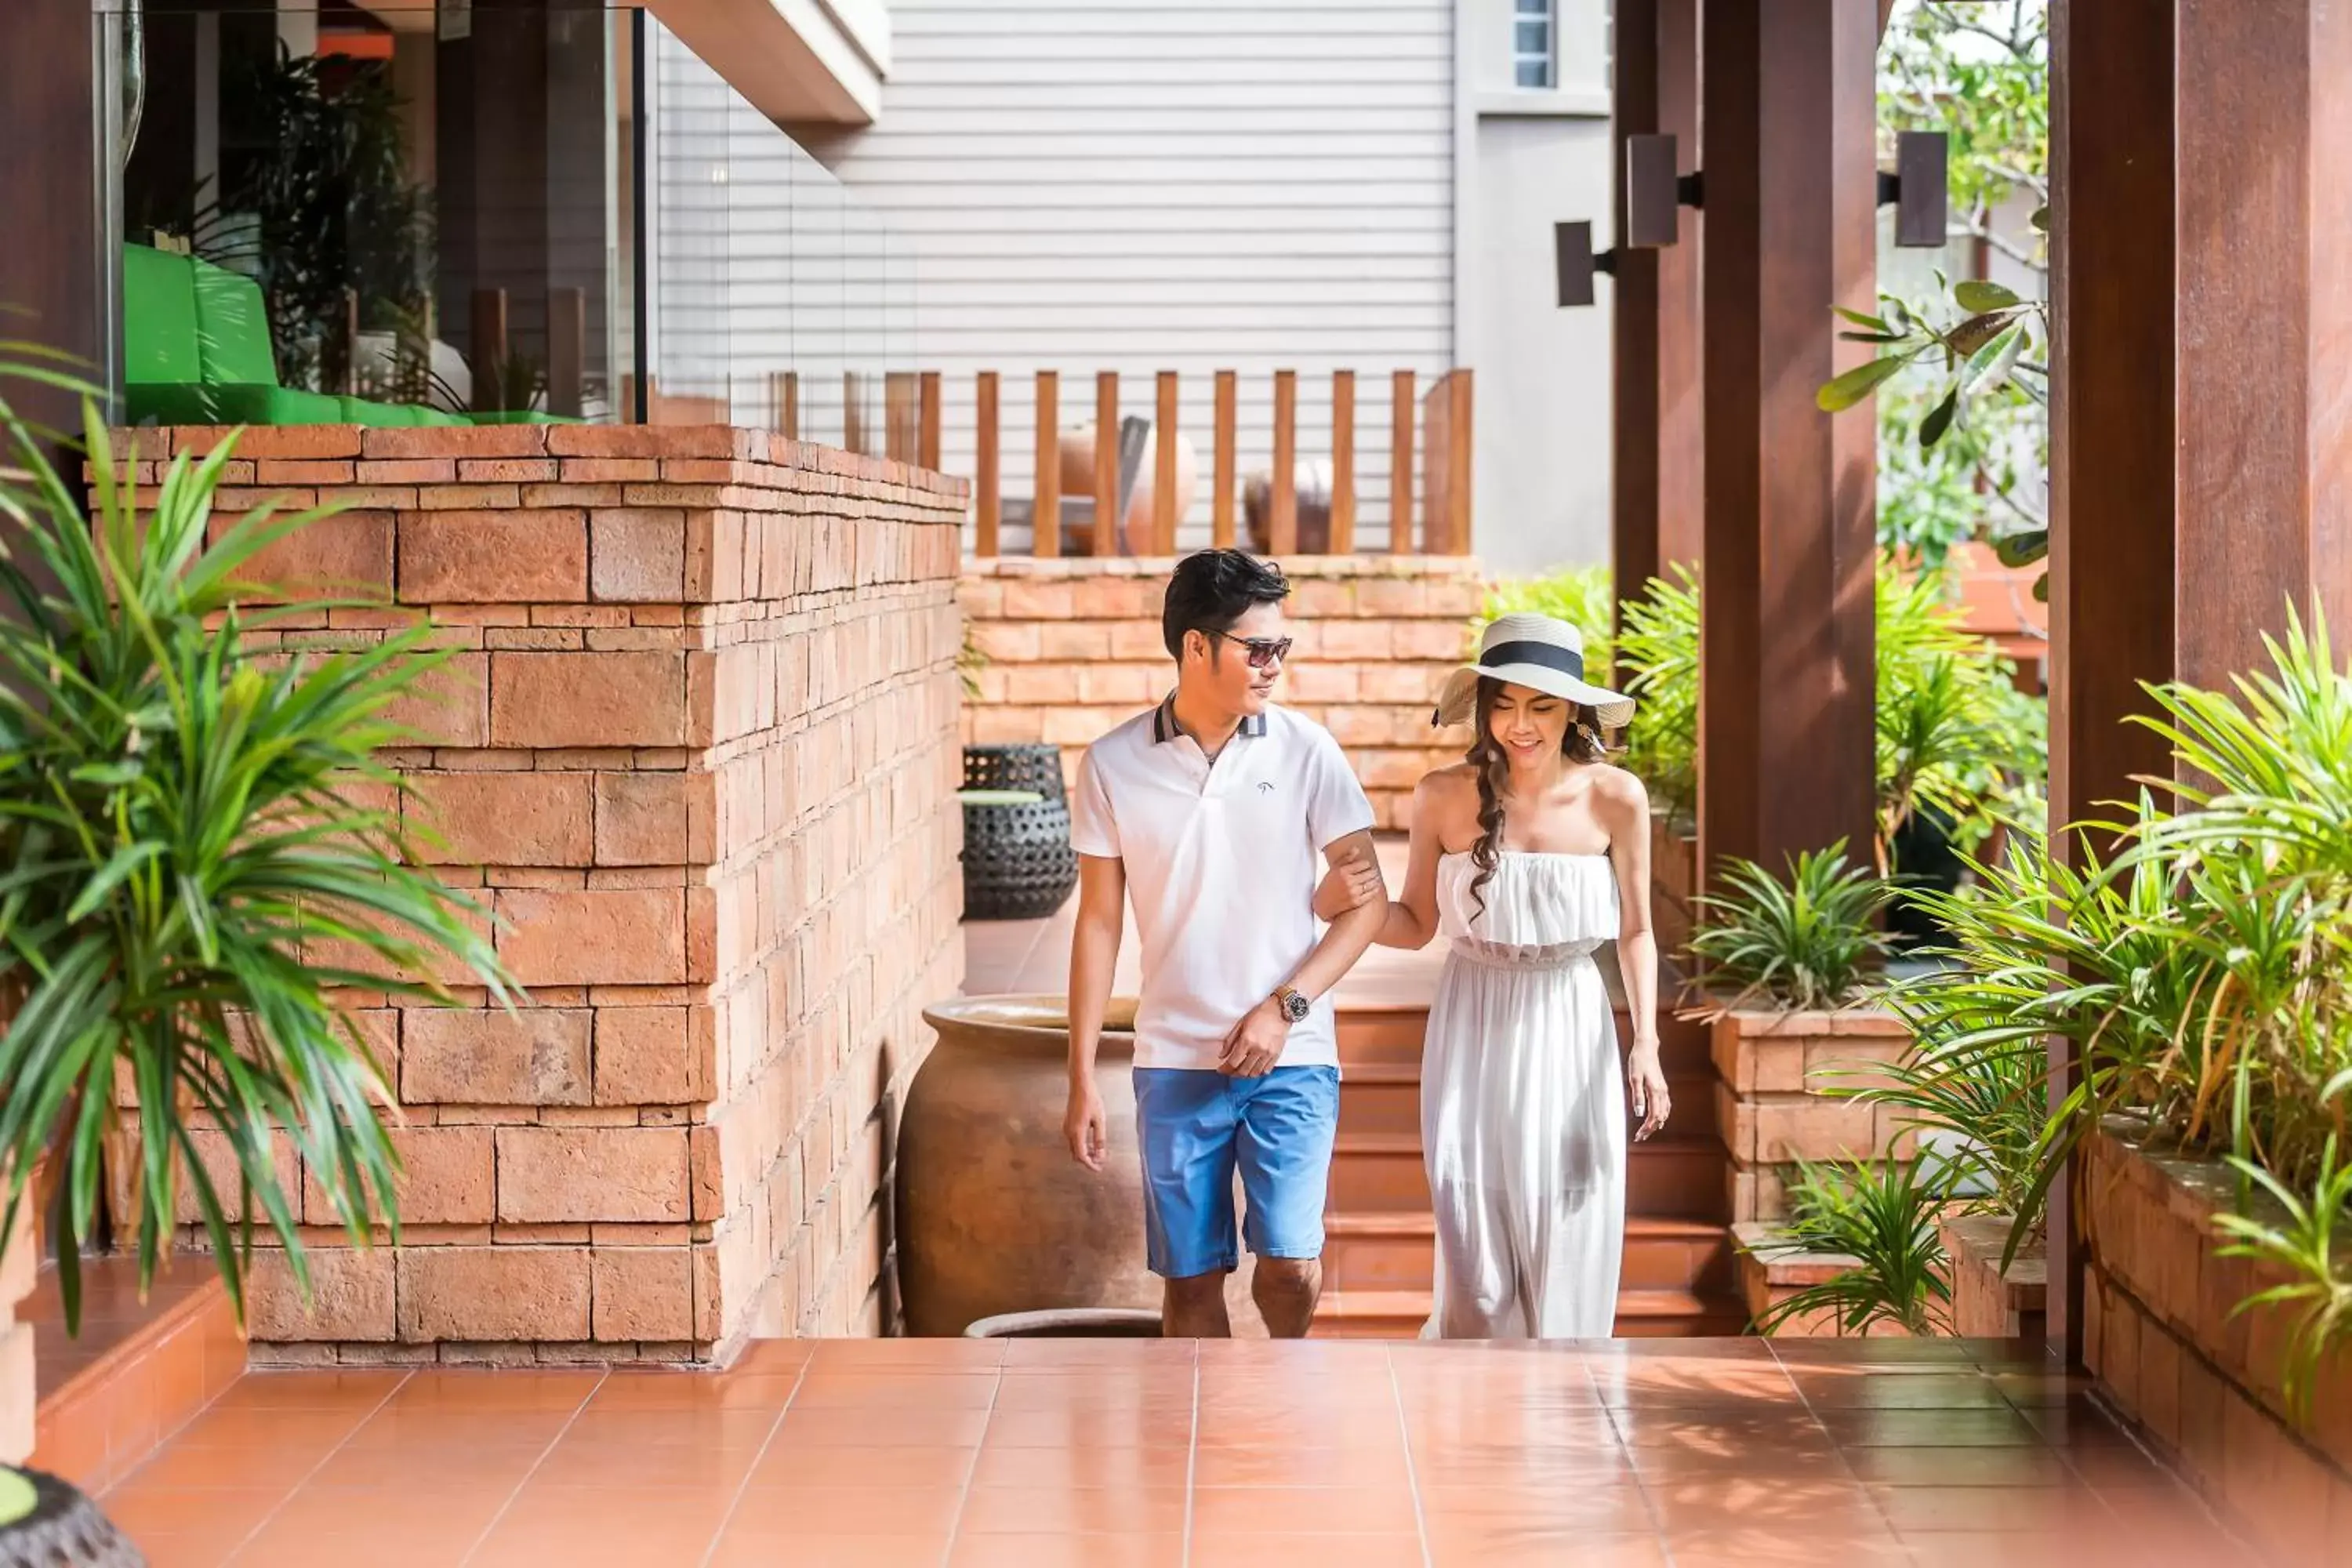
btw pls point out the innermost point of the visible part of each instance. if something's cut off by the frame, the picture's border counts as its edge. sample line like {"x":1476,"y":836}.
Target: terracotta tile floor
{"x":953,"y":1454}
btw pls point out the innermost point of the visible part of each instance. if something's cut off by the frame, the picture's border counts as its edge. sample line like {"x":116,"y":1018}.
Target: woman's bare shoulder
{"x":1461,"y":778}
{"x":1614,"y":788}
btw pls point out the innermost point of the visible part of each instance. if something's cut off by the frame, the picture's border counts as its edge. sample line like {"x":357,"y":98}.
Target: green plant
{"x":970,"y":662}
{"x":1989,"y":1101}
{"x":1804,"y":944}
{"x":1883,"y":1216}
{"x":2303,"y":1247}
{"x":1656,"y":656}
{"x":203,"y":851}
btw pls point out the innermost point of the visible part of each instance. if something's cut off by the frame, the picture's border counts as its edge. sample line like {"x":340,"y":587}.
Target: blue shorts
{"x":1197,"y":1127}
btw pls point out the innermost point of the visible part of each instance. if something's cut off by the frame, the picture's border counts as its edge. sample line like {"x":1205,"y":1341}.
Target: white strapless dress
{"x":1523,"y":1111}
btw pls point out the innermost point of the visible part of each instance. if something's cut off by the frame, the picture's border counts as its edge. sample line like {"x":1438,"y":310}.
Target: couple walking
{"x":1234,"y":828}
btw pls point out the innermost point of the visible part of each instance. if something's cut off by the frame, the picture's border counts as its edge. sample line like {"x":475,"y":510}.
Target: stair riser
{"x":1710,"y":1325}
{"x":1396,"y":1039}
{"x":1394,"y":1108}
{"x":1651,"y":1263}
{"x":1673,"y":1182}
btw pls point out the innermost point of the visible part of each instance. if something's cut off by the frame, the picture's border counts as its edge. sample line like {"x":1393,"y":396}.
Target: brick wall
{"x":1777,"y":1100}
{"x":699,"y":750}
{"x":1074,"y":647}
{"x":19,"y":1252}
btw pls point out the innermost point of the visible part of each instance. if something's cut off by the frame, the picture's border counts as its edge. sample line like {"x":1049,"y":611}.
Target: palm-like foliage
{"x":1806,"y":943}
{"x":1656,"y":656}
{"x":193,"y":870}
{"x":1883,"y":1216}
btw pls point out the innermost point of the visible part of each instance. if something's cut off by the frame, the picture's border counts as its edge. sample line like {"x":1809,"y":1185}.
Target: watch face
{"x":1295,"y":1007}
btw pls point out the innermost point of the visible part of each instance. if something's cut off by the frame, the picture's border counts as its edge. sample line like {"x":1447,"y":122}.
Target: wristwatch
{"x":1293,"y":1004}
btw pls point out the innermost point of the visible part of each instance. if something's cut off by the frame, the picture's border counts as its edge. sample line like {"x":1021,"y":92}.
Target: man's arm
{"x":1093,"y":959}
{"x":1255,"y":1046}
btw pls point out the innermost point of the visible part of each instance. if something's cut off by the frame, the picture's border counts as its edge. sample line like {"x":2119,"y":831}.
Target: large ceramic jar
{"x":993,"y":1214}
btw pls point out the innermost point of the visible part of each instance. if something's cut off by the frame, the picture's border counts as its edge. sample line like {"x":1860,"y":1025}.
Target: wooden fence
{"x":1429,"y":430}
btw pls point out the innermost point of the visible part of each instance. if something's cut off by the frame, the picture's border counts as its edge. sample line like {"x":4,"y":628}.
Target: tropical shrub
{"x":203,"y":852}
{"x":1810,"y":941}
{"x":1883,"y":1216}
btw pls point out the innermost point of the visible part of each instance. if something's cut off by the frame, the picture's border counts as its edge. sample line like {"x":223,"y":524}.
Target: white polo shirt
{"x":1222,"y":864}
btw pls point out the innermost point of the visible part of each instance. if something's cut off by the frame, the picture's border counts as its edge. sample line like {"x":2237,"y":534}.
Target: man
{"x":1209,"y":811}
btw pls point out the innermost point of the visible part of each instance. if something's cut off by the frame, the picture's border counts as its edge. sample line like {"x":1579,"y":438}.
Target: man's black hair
{"x":1211,"y":591}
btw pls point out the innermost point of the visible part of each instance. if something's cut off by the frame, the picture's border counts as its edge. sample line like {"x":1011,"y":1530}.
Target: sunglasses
{"x":1262,"y":651}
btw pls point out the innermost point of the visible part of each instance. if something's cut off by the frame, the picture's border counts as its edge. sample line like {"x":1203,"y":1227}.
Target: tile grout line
{"x":1411,"y":1471}
{"x":971,"y":1471}
{"x":507,"y":1507}
{"x":277,"y":1508}
{"x":1193,"y":1462}
{"x":1625,"y":1451}
{"x":1877,"y":1505}
{"x":735,"y":1503}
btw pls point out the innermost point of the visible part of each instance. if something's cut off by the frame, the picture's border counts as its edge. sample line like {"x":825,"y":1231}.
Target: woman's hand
{"x":1351,"y":885}
{"x":1645,"y":1085}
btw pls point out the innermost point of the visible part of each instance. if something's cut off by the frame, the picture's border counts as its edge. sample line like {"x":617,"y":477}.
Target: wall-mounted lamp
{"x":1654,"y":191}
{"x":1575,"y":262}
{"x":1917,"y":188}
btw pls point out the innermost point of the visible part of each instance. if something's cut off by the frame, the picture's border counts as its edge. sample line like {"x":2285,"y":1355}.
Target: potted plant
{"x":204,"y":853}
{"x":1789,"y":970}
{"x":1861,"y":1252}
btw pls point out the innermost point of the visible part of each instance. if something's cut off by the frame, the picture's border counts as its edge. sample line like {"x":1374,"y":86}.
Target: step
{"x":1379,"y":1037}
{"x":1640,"y":1314}
{"x":1385,"y":1096}
{"x":138,"y":1371}
{"x":1677,"y":1176}
{"x":1396,"y":1252}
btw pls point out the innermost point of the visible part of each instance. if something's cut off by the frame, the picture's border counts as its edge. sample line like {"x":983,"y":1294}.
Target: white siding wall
{"x":1193,"y":185}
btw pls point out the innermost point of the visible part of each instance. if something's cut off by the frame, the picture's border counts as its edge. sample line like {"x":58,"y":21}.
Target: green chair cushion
{"x":232,"y":327}
{"x":158,"y":319}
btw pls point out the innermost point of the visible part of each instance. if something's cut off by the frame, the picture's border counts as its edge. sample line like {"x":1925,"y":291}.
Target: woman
{"x":1526,"y":856}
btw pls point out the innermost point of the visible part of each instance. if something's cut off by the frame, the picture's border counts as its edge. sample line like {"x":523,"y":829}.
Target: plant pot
{"x":1924,"y":857}
{"x":1018,"y":860}
{"x":1773,"y":1110}
{"x":1095,"y":1323}
{"x":995,"y":1217}
{"x":1024,"y":766}
{"x":45,"y":1522}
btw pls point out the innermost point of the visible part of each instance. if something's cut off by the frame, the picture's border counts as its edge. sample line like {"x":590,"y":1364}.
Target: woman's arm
{"x":1412,"y":922}
{"x":1627,"y":818}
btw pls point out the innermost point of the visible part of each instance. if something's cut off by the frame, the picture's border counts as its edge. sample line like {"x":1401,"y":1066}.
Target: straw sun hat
{"x":1540,"y":652}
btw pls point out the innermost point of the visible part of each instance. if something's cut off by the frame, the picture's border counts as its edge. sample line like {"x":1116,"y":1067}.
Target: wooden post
{"x":1221,"y":502}
{"x":1163,"y":467}
{"x":1343,"y":462}
{"x":1459,"y":462}
{"x":987,"y":480}
{"x":1401,"y":400}
{"x":899,"y":434}
{"x":785,"y":402}
{"x":926,"y":443}
{"x":1681,"y":432}
{"x":1633,"y":316}
{"x":1107,"y":519}
{"x":1437,"y":467}
{"x":1045,"y":512}
{"x":567,"y":350}
{"x":852,"y":412}
{"x":1282,"y":523}
{"x":1787,"y":752}
{"x":490,"y":348}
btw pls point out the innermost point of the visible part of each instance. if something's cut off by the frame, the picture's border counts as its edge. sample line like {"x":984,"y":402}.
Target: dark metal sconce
{"x":1575,"y":262}
{"x":1918,"y":189}
{"x":1654,"y":191}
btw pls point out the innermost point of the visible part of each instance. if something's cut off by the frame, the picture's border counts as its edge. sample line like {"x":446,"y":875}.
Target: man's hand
{"x":1255,"y":1044}
{"x":1351,"y":884}
{"x":1084,"y":1126}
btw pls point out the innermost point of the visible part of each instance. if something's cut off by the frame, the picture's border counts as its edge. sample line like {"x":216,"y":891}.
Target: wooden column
{"x":1108,"y":524}
{"x":1163,"y":466}
{"x":1343,"y":462}
{"x":1633,"y":316}
{"x":1282,"y":518}
{"x":1786,"y":749}
{"x":2201,"y":278}
{"x":1402,"y":400}
{"x":1682,"y":433}
{"x":1220,"y":504}
{"x":1045,"y":511}
{"x":987,"y":481}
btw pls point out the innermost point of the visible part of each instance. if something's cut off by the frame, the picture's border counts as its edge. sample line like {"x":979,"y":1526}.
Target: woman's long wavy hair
{"x":1583,"y":744}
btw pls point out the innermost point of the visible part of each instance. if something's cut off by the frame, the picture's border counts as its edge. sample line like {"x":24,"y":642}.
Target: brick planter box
{"x":1772,"y":1269}
{"x":1987,"y":1303}
{"x":1772,"y":1108}
{"x":2158,"y":1334}
{"x":19,"y":1261}
{"x":1073,"y":648}
{"x":699,"y":753}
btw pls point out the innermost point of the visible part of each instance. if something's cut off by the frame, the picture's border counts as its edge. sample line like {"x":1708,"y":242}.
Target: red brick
{"x":291,"y":441}
{"x":645,"y":440}
{"x":554,"y":1174}
{"x":503,"y":818}
{"x":407,"y":471}
{"x":347,"y":554}
{"x":350,"y":1298}
{"x":641,"y":818}
{"x":638,"y":554}
{"x":601,"y":937}
{"x":454,"y":442}
{"x":642,"y":1293}
{"x":449,"y":706}
{"x":643,"y":1057}
{"x":1813,"y":1128}
{"x":506,"y":470}
{"x":445,"y":1179}
{"x":589,"y":700}
{"x":534,"y":1056}
{"x":494,"y":557}
{"x":490,"y":1293}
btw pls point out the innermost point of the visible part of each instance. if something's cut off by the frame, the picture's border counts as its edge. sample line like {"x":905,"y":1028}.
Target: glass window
{"x":1534,"y":24}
